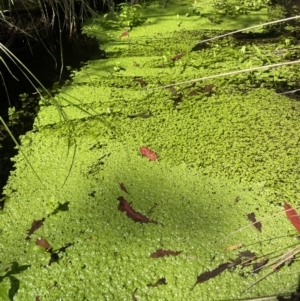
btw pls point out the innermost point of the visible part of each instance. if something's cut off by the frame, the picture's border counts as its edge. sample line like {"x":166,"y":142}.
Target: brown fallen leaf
{"x":177,"y":57}
{"x":246,"y":257}
{"x":257,"y":266}
{"x":124,"y":34}
{"x":34,"y":226}
{"x":256,"y":224}
{"x":42,"y":243}
{"x":208,"y":88}
{"x":131,"y":213}
{"x":161,"y":253}
{"x":123,"y":187}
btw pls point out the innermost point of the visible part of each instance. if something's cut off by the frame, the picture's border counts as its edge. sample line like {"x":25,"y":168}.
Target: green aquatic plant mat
{"x":177,"y":16}
{"x":227,"y":153}
{"x":107,"y":253}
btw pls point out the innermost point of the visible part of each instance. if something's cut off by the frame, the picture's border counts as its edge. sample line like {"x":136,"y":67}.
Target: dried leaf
{"x":293,"y":216}
{"x":210,"y":274}
{"x":124,"y":34}
{"x":256,"y":224}
{"x":123,"y":187}
{"x":234,"y":247}
{"x":42,"y":243}
{"x":161,"y":253}
{"x":178,"y":56}
{"x":34,"y":226}
{"x":208,"y":88}
{"x":147,"y":152}
{"x":245,"y":257}
{"x":161,"y":281}
{"x":131,"y":213}
{"x":257,"y":266}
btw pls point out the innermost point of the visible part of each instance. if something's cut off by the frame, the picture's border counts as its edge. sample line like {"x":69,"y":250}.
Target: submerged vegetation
{"x":166,"y":170}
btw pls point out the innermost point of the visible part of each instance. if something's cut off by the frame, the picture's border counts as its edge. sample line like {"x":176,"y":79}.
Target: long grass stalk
{"x":19,"y":147}
{"x":228,"y":73}
{"x":248,"y":28}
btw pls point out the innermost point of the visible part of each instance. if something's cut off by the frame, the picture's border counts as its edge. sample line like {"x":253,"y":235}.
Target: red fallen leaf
{"x":256,"y":224}
{"x":147,"y":152}
{"x":158,"y":282}
{"x":42,"y":243}
{"x":123,"y":188}
{"x":178,"y":56}
{"x":161,"y":253}
{"x":124,"y":34}
{"x":34,"y":226}
{"x":210,"y":274}
{"x":131,"y":213}
{"x":293,"y":216}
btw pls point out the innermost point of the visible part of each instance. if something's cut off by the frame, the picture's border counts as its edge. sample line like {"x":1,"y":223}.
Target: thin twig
{"x":247,"y":28}
{"x":227,"y":73}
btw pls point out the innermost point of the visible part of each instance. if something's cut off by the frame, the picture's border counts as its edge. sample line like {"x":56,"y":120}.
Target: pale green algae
{"x":212,"y":149}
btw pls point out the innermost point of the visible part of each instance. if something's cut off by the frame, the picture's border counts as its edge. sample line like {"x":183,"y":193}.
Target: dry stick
{"x":250,"y":225}
{"x":268,"y":298}
{"x":228,"y":73}
{"x":290,"y":254}
{"x":247,"y":28}
{"x":239,"y":71}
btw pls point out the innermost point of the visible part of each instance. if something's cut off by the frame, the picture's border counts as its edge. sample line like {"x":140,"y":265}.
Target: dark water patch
{"x":48,"y":67}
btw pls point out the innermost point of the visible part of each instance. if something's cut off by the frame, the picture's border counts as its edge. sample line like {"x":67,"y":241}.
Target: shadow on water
{"x":10,"y":271}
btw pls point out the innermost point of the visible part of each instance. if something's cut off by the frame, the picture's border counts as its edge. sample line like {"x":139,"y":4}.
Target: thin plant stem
{"x":228,"y":73}
{"x":247,"y":28}
{"x":18,"y":146}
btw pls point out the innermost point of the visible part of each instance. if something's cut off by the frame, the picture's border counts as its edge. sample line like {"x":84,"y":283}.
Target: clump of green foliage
{"x":243,"y":7}
{"x":126,"y":15}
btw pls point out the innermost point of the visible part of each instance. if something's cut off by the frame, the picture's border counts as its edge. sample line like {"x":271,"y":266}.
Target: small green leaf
{"x":257,"y":50}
